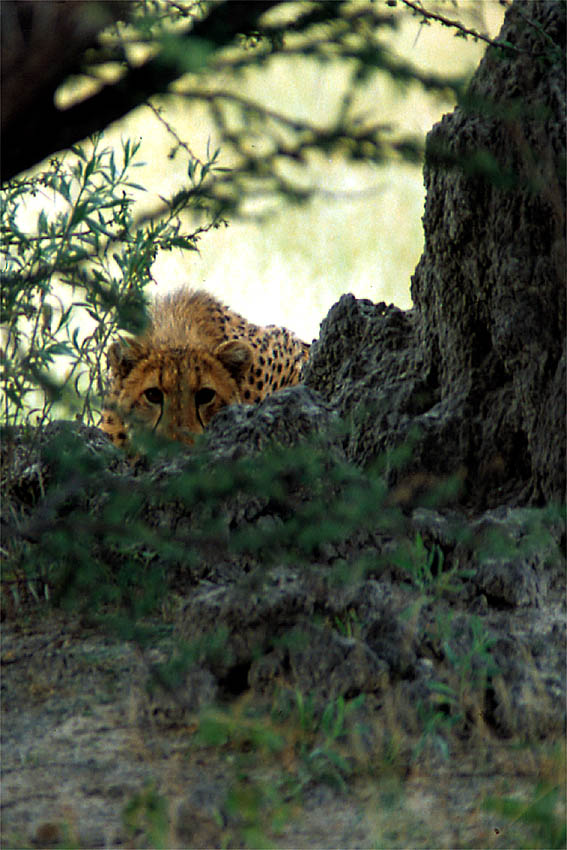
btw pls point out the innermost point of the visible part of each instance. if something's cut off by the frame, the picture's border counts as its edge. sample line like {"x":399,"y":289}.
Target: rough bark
{"x":45,"y":40}
{"x":472,"y":629}
{"x":489,"y":289}
{"x":478,"y":367}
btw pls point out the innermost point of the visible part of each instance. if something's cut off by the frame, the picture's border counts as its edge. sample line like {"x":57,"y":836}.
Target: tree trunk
{"x":490,"y":286}
{"x":479,"y":365}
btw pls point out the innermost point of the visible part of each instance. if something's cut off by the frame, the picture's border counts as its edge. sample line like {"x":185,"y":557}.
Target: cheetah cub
{"x":195,"y":357}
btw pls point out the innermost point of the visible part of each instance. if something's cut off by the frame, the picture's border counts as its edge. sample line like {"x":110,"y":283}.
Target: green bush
{"x":76,"y":258}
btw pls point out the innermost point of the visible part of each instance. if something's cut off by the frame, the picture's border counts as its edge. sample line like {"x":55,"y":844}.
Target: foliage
{"x":538,"y":822}
{"x":310,"y":746}
{"x":79,"y":238}
{"x":436,"y":726}
{"x":146,"y":814}
{"x":456,"y":703}
{"x":426,"y":569}
{"x":198,"y":46}
{"x":85,"y":537}
{"x":74,"y":272}
{"x":116,"y":560}
{"x":118,"y":549}
{"x":328,"y":760}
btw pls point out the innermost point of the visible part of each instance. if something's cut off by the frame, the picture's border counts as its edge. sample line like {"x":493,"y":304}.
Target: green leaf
{"x":79,"y":214}
{"x":56,"y":348}
{"x":187,"y":243}
{"x":42,"y":222}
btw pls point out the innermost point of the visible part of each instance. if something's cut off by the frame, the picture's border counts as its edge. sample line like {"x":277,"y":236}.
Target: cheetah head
{"x":175,"y":392}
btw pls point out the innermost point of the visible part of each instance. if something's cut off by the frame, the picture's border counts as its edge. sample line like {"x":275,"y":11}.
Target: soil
{"x":361,"y":630}
{"x":81,"y":738}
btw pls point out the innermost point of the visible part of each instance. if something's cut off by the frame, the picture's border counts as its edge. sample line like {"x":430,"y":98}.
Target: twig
{"x":449,"y":22}
{"x":172,"y":132}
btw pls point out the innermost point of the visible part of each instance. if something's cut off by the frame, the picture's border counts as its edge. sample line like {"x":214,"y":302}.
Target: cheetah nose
{"x":183,"y":435}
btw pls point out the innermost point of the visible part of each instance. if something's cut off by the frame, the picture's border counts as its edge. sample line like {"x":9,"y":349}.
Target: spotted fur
{"x":195,"y":357}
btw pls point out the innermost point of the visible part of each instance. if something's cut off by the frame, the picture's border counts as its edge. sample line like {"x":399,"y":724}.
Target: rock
{"x":284,"y":418}
{"x":460,"y":404}
{"x":476,"y":371}
{"x":199,"y":818}
{"x":489,"y":289}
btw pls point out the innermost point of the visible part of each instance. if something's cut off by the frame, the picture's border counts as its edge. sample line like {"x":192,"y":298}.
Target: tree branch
{"x":456,"y":25}
{"x":42,"y":129}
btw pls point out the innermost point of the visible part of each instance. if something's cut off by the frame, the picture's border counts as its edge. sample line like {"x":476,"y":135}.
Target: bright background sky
{"x":292,"y":268}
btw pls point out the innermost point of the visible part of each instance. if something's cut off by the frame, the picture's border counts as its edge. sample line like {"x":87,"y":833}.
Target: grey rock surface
{"x":425,"y":593}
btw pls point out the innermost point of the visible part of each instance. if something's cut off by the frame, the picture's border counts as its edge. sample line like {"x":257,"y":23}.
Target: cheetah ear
{"x":122,"y":356}
{"x":235,"y":355}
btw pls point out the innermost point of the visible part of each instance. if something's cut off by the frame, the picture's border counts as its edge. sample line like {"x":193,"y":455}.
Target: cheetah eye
{"x":154,"y":395}
{"x":204,"y":396}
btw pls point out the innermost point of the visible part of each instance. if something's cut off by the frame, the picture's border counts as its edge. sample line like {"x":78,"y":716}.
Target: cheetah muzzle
{"x":195,"y":357}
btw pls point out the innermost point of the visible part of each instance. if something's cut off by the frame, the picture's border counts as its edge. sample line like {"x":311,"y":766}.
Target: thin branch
{"x":36,"y":133}
{"x":449,"y":22}
{"x":212,"y":95}
{"x":173,"y":133}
